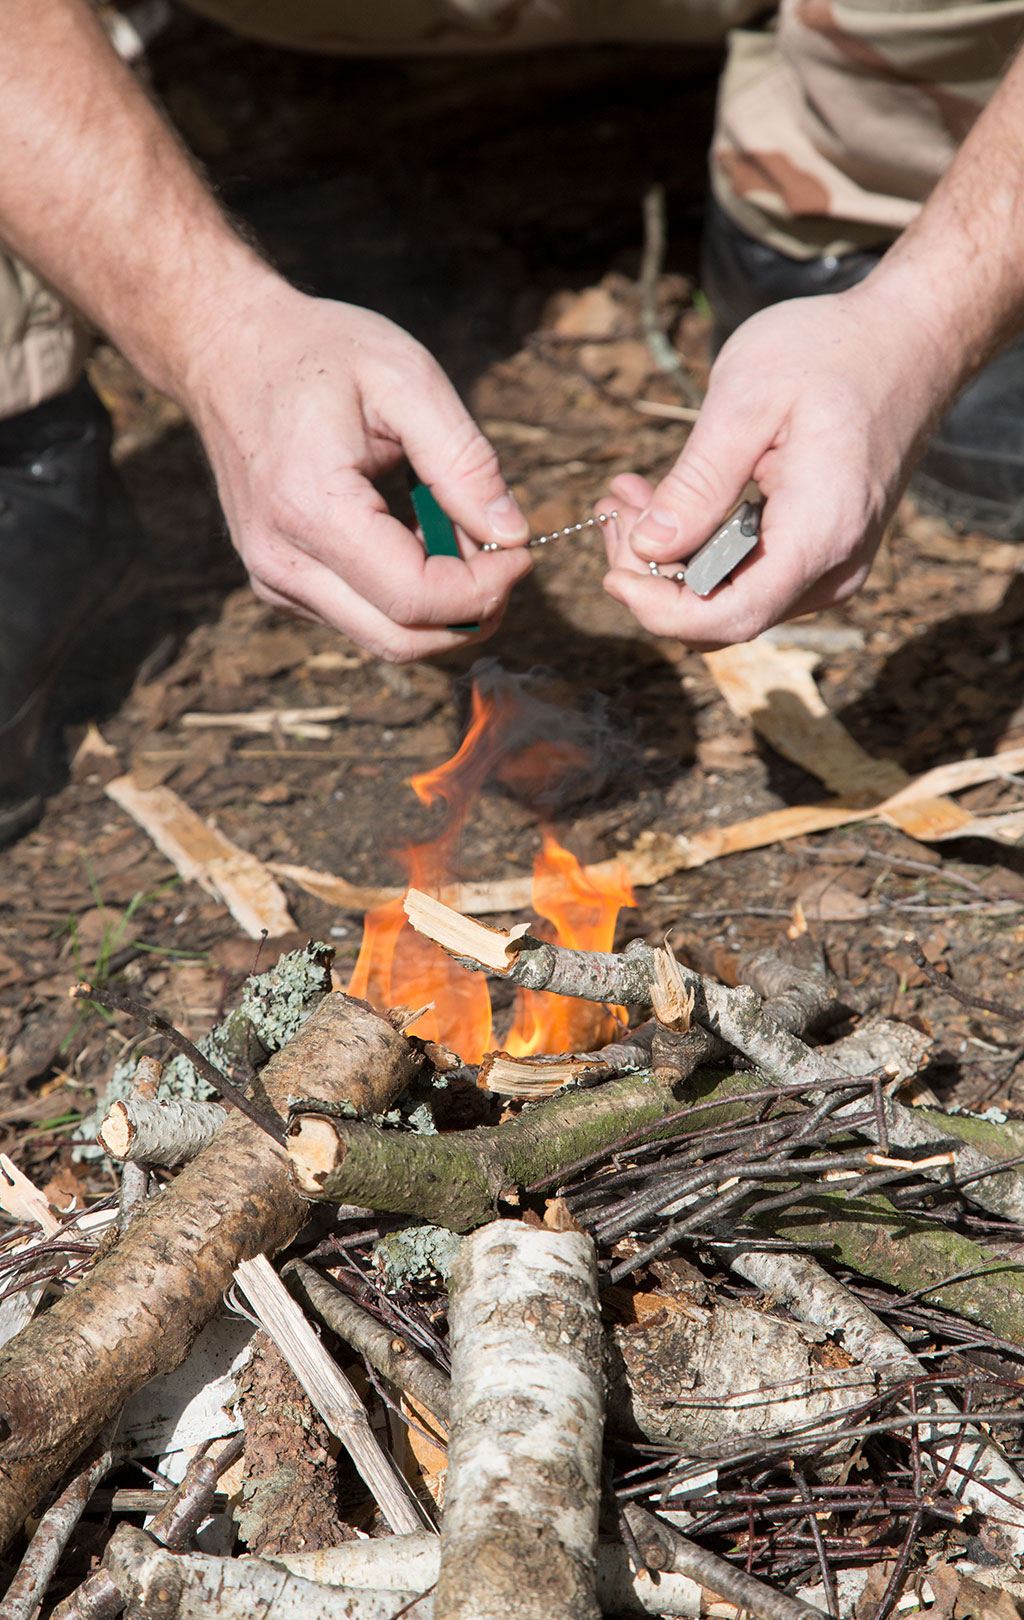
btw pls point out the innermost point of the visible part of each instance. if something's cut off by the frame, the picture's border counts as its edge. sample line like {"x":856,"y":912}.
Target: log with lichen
{"x":137,"y":1312}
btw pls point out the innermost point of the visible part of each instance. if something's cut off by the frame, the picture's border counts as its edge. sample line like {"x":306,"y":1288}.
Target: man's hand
{"x":301,"y":403}
{"x":822,"y":401}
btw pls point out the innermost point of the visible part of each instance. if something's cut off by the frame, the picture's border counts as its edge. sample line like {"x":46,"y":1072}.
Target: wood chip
{"x":493,"y":948}
{"x":202,"y":854}
{"x":671,"y":1000}
{"x":309,"y":723}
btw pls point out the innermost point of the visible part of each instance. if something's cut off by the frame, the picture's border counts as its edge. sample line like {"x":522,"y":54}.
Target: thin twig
{"x":944,"y":983}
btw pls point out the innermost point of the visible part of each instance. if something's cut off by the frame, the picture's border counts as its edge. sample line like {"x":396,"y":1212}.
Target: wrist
{"x":177,"y":340}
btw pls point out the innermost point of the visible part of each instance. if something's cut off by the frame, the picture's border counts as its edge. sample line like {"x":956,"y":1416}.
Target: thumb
{"x":699,"y":492}
{"x":452,"y":456}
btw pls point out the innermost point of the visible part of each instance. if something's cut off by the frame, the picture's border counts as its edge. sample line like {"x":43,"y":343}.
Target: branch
{"x":740,"y":1018}
{"x":523,"y":1487}
{"x":986,"y":1481}
{"x":140,"y":1130}
{"x":459,"y":1179}
{"x":664,"y":1548}
{"x":413,"y":1374}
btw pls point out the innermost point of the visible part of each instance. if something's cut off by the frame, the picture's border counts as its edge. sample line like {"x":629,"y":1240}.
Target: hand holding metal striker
{"x":708,"y":567}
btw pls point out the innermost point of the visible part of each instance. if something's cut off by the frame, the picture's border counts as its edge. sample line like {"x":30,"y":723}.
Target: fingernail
{"x":657,"y":526}
{"x":505,"y":519}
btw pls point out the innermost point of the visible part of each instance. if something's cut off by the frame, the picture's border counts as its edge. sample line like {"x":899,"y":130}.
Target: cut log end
{"x":116,"y":1133}
{"x":315,"y":1151}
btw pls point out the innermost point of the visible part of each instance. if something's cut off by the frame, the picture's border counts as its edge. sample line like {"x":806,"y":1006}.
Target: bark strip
{"x":519,"y":1540}
{"x":136,"y":1314}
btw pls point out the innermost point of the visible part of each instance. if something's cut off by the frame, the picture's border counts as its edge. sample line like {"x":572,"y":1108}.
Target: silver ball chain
{"x":598,"y":522}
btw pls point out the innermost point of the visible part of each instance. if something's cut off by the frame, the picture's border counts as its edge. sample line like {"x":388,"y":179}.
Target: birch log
{"x":137,"y":1312}
{"x":173,"y":1131}
{"x":519,"y":1540}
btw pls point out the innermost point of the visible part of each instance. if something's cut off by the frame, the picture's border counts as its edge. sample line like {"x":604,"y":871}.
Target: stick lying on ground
{"x":519,"y":1539}
{"x":138,"y":1311}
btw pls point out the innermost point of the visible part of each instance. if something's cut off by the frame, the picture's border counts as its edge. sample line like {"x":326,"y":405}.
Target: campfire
{"x":579,"y":906}
{"x":710,"y":1284}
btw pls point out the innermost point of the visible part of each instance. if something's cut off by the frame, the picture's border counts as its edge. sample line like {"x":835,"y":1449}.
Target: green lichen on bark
{"x":877,"y":1240}
{"x":273,"y":1007}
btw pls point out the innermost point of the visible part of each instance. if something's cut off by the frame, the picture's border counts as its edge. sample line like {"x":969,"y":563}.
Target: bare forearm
{"x":959,"y":270}
{"x":98,"y":195}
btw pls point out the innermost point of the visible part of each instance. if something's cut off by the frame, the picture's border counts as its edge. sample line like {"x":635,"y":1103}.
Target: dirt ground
{"x":474,"y":202}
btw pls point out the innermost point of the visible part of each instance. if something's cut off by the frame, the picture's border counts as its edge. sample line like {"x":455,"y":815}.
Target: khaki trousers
{"x":834,"y":122}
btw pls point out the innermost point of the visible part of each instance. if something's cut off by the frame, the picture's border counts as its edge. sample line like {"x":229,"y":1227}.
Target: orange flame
{"x":582,"y":907}
{"x":398,"y":967}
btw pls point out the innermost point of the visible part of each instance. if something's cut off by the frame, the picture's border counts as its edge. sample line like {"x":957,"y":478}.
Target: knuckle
{"x":469,"y":454}
{"x":694,"y":477}
{"x":402,"y":610}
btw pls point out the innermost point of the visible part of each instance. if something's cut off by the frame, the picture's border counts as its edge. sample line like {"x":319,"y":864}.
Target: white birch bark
{"x":141,"y":1130}
{"x":411,"y":1563}
{"x":519,"y":1538}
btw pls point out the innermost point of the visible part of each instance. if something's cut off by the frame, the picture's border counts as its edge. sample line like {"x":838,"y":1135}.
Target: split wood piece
{"x":330,"y":1391}
{"x":25,"y":1594}
{"x":154,"y":1582}
{"x":139,"y":1130}
{"x":137,"y":1312}
{"x":542,"y":1076}
{"x":412,"y":1373}
{"x":413,"y":1562}
{"x":519,"y":1540}
{"x":201,"y":854}
{"x":667,"y":1549}
{"x":314,"y":723}
{"x":493,"y":948}
{"x":972,"y":1465}
{"x":535,"y":1076}
{"x":741,"y":1018}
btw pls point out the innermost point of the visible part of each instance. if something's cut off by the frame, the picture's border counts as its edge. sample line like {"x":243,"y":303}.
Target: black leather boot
{"x":972,"y":472}
{"x":68,"y":540}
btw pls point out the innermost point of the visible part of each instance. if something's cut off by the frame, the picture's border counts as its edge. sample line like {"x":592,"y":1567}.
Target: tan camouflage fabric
{"x":835,"y":117}
{"x":834,"y":124}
